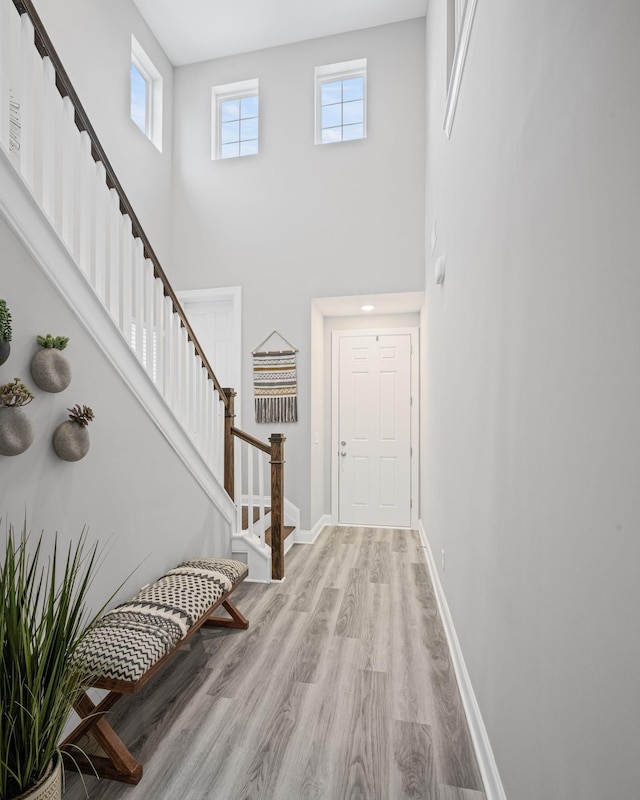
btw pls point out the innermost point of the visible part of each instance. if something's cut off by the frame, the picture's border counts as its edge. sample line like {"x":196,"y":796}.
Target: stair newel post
{"x":229,"y":416}
{"x":277,"y":441}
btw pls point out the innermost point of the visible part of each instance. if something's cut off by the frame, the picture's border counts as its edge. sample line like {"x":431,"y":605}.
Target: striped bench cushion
{"x":130,"y":639}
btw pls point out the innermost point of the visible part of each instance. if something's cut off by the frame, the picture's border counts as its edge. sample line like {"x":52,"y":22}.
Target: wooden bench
{"x":133,"y":641}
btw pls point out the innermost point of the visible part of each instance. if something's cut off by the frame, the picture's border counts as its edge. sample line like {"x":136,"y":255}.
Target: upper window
{"x":341,"y":102}
{"x":234,"y":129}
{"x":146,"y":94}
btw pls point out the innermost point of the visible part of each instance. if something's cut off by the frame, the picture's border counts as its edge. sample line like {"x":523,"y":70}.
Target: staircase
{"x":56,"y":177}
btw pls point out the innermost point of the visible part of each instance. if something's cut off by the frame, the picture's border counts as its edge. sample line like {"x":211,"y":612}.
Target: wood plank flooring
{"x":341,"y":689}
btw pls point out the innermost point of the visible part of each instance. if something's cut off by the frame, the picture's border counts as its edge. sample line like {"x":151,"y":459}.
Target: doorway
{"x":375,"y":427}
{"x":215,"y":316}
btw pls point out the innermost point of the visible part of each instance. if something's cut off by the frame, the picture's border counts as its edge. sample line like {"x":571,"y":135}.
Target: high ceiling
{"x":197,"y":30}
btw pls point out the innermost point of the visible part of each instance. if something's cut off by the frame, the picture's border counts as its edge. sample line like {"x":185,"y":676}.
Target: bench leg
{"x":118,"y":765}
{"x":236,"y":621}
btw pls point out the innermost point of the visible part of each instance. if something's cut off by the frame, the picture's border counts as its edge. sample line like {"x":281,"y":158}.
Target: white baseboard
{"x":493,"y":787}
{"x":309,"y":537}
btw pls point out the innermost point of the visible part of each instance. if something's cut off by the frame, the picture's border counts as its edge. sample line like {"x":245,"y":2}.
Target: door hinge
{"x":411,"y":502}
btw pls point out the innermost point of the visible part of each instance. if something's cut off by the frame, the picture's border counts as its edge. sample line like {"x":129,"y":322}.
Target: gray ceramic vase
{"x":16,"y":431}
{"x":71,"y":441}
{"x":50,"y":370}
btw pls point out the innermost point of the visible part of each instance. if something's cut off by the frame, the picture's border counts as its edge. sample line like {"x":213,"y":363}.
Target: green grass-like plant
{"x":5,"y":322}
{"x":43,"y":618}
{"x":50,"y":342}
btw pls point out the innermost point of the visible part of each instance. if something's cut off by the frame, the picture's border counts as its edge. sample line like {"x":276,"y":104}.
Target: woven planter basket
{"x":49,"y":788}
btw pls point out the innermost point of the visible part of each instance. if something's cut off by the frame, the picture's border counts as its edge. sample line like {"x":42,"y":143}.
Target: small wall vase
{"x":71,"y":441}
{"x":50,"y":370}
{"x":16,"y":431}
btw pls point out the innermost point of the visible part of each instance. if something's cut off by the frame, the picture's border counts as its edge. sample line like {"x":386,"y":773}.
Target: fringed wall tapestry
{"x":275,"y":385}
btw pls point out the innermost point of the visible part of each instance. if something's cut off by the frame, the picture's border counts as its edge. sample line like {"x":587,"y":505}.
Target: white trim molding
{"x":309,"y":537}
{"x":493,"y":787}
{"x":457,"y":68}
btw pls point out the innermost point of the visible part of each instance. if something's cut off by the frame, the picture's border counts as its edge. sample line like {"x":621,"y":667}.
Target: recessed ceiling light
{"x":367,"y":308}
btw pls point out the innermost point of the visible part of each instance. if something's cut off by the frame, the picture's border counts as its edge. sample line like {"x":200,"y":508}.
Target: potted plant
{"x":5,"y":331}
{"x":50,"y":369}
{"x":16,"y":429}
{"x":71,"y":437}
{"x":43,"y":619}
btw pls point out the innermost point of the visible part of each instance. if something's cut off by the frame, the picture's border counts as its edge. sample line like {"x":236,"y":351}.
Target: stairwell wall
{"x":138,"y":499}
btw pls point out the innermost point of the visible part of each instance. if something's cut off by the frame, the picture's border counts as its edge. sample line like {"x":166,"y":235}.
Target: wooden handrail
{"x":246,"y":437}
{"x":65,"y":87}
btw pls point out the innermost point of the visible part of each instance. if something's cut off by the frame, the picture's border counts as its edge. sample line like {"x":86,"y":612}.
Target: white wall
{"x":300,"y":221}
{"x":93,"y":40}
{"x":533,"y":385}
{"x":133,"y":492}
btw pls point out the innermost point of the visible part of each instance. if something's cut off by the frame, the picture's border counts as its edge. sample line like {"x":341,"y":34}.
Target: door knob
{"x":343,"y":443}
{"x":343,"y":453}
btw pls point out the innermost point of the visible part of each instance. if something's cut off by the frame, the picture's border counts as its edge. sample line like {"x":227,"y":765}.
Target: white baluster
{"x":67,"y":173}
{"x":101,"y":199}
{"x":220,"y":439}
{"x":202,"y":411}
{"x":27,"y":122}
{"x":5,"y":71}
{"x":261,"y":459}
{"x":209,"y":402}
{"x":138,"y":297}
{"x":192,"y":421}
{"x":250,"y":488}
{"x":85,"y":210}
{"x":215,"y":435}
{"x":113,"y":272}
{"x":169,"y":352}
{"x":149,"y":323}
{"x":237,"y":478}
{"x":160,"y":339}
{"x":126,"y":278}
{"x":50,"y":130}
{"x":176,"y":365}
{"x":183,"y":378}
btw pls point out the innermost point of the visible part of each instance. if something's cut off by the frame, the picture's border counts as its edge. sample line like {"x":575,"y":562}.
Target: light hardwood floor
{"x":341,"y":689}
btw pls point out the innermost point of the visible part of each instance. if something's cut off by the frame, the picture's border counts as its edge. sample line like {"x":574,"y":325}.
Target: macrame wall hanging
{"x":275,"y":385}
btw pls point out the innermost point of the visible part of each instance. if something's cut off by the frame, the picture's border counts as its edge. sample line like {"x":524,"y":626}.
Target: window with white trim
{"x":146,"y":94}
{"x":341,"y":102}
{"x":235,"y":120}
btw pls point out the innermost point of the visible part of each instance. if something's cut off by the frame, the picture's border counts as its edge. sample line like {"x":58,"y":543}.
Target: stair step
{"x":288,"y":529}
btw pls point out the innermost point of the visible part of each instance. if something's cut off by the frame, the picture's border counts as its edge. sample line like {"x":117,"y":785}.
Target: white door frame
{"x":415,"y":417}
{"x":235,"y":294}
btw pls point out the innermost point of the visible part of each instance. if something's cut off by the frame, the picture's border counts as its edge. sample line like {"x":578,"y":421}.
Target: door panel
{"x":374,"y":430}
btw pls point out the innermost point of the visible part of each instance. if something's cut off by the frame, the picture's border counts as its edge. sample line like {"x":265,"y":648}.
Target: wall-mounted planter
{"x":16,"y":431}
{"x":50,"y":370}
{"x":71,"y":437}
{"x":5,"y":331}
{"x":5,"y":349}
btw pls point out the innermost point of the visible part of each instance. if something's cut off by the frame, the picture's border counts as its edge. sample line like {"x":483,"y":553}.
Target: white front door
{"x":374,"y":430}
